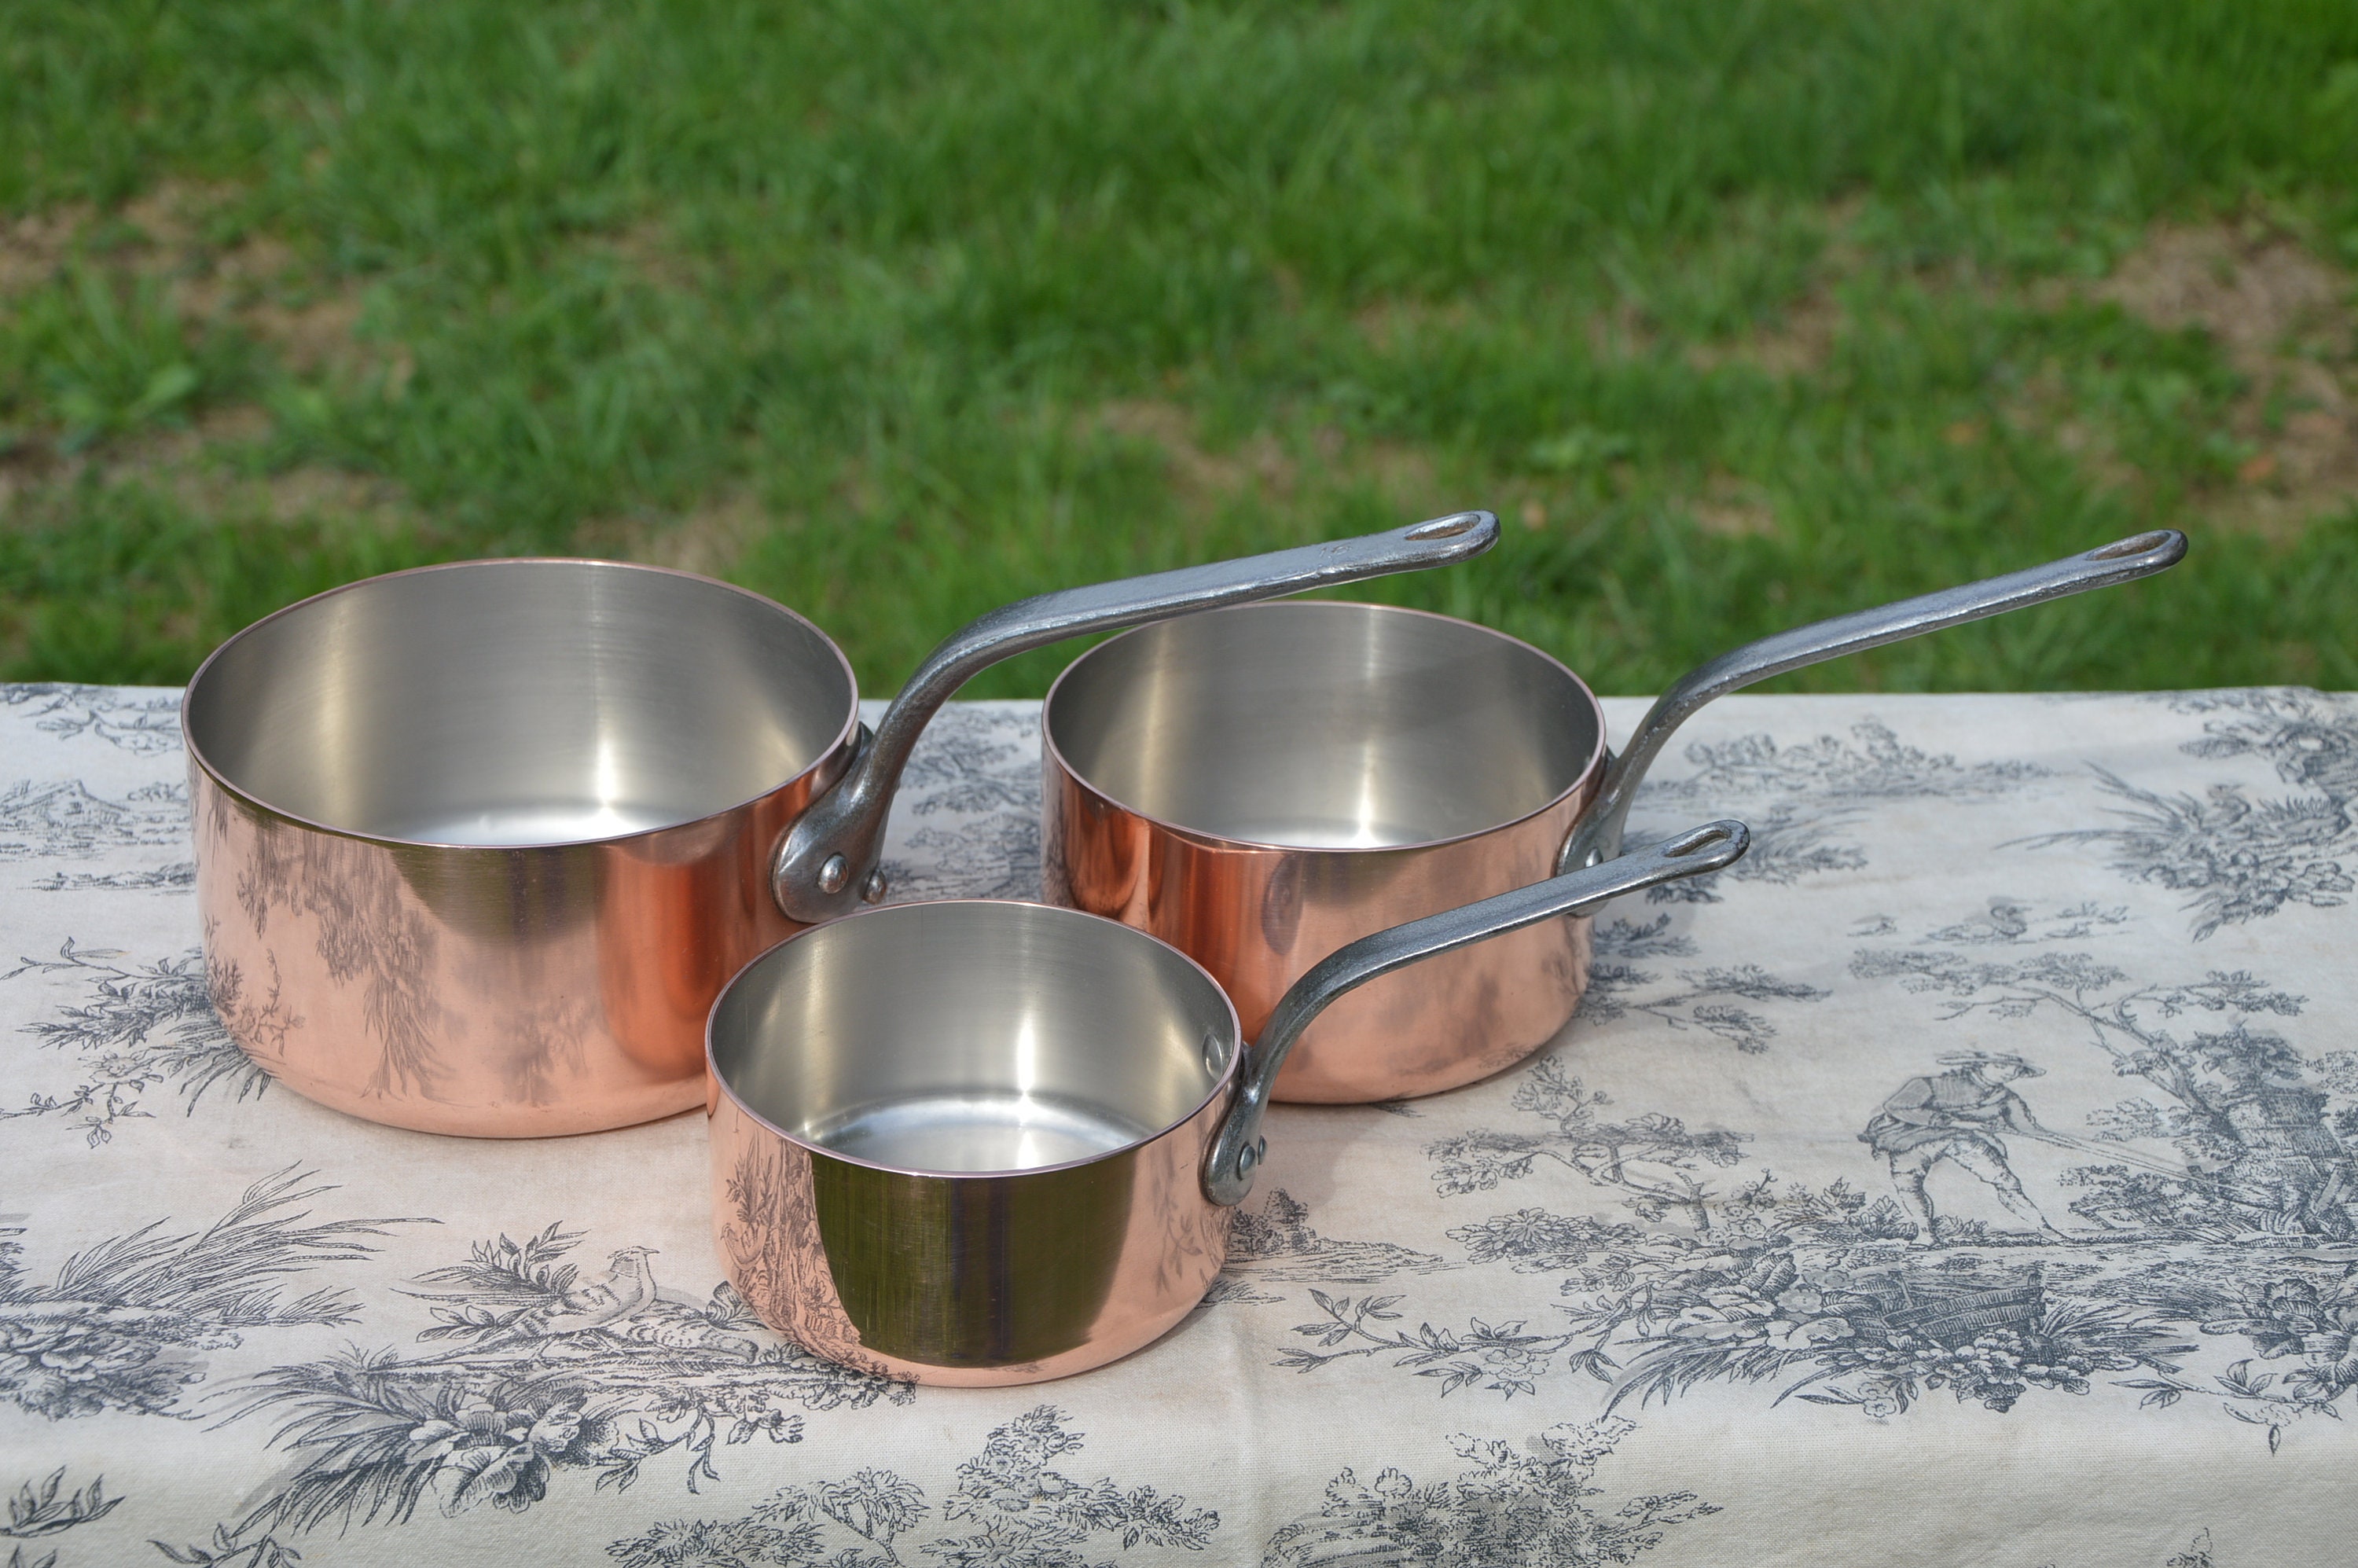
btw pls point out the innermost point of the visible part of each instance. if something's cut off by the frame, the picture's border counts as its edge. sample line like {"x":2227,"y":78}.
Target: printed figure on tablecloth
{"x":1950,"y":1119}
{"x":2260,"y":1128}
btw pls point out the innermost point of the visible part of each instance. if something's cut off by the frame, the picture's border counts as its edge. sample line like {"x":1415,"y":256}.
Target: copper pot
{"x":1261,"y":785}
{"x":477,"y":845}
{"x":976,"y":1143}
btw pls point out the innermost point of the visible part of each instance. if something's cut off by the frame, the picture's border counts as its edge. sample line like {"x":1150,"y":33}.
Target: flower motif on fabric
{"x":1524,"y":1508}
{"x":1009,"y":1509}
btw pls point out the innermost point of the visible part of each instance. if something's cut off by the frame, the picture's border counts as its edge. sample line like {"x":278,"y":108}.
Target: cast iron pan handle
{"x":825,"y":864}
{"x":1237,"y":1148}
{"x":1597,"y":835}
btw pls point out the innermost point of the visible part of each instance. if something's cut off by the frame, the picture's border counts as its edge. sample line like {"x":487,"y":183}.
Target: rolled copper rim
{"x":1585,"y":779}
{"x":1224,"y":1083}
{"x":196,"y":682}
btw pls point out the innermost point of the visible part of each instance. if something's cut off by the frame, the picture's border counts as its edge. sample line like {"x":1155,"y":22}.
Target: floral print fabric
{"x":1970,"y":1175}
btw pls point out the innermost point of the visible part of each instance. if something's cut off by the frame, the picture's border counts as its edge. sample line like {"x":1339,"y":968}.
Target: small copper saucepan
{"x":1261,"y":785}
{"x":477,"y":845}
{"x":976,"y":1143}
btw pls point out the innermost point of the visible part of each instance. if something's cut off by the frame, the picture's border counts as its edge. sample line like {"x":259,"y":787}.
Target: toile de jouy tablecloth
{"x":1969,"y":1176}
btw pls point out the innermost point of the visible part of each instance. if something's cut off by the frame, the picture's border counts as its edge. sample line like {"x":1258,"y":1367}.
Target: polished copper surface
{"x":1259,"y":916}
{"x":1297,"y":777}
{"x":478,"y":844}
{"x":486,"y":991}
{"x":1073,"y":1268}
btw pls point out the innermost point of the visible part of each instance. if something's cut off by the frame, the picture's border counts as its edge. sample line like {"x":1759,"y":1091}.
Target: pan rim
{"x":196,"y":753}
{"x":1203,"y":838}
{"x":1220,"y":1086}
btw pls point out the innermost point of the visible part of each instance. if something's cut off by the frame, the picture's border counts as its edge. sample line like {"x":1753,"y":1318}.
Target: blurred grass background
{"x":1739,"y":313}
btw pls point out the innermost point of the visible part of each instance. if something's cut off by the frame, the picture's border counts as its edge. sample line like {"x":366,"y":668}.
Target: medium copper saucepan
{"x":1261,"y":785}
{"x":477,"y":845}
{"x":977,"y":1142}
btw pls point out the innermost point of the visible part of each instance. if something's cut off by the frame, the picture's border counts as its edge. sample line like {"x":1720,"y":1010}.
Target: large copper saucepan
{"x":477,"y":845}
{"x":1258,"y":786}
{"x":977,"y":1142}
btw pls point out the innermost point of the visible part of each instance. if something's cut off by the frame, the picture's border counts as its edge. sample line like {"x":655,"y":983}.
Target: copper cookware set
{"x":480,"y":846}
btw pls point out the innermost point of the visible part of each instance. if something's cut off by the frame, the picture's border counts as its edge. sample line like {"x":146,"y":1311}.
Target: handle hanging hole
{"x":1441,"y":528}
{"x":2137,"y":547}
{"x":1703,"y":839}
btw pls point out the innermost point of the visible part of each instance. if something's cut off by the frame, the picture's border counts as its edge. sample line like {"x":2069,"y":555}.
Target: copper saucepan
{"x":1261,"y":785}
{"x":976,"y":1143}
{"x":477,"y":845}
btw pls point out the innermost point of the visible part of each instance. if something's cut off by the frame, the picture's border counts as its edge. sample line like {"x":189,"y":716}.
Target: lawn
{"x":1739,"y":314}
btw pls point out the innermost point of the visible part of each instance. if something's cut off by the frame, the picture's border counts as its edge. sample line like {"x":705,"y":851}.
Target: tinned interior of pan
{"x":970,"y":1036}
{"x":519,"y":702}
{"x":1318,"y":725}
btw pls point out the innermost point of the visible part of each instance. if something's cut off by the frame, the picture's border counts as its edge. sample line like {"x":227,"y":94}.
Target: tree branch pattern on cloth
{"x":52,"y":1509}
{"x":127,"y":1324}
{"x":147,"y":1025}
{"x":2239,"y":860}
{"x":66,"y":820}
{"x":2256,"y":1202}
{"x":1874,"y":764}
{"x":972,"y":790}
{"x":1702,"y":998}
{"x":1836,"y":1297}
{"x":543,"y":1367}
{"x":1277,"y":1245}
{"x":141,"y":722}
{"x":1798,"y":800}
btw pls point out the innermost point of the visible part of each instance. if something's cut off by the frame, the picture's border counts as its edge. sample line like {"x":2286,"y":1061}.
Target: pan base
{"x":977,"y":1132}
{"x":518,"y":827}
{"x":1326,"y":832}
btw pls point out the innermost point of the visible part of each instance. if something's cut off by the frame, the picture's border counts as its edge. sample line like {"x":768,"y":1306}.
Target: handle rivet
{"x":873,"y":889}
{"x":833,"y":874}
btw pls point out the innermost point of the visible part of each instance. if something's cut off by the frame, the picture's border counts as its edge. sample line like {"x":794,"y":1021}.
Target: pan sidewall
{"x":967,"y":1280}
{"x":484,"y":991}
{"x":1258,"y":918}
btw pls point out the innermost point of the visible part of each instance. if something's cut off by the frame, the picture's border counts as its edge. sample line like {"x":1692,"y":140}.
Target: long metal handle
{"x":1236,"y":1149}
{"x":1597,"y":835}
{"x":825,"y":864}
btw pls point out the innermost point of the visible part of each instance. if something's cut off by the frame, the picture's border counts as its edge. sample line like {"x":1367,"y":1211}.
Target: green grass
{"x":1741,"y":313}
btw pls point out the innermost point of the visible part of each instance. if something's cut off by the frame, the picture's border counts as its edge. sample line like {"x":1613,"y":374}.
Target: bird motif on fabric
{"x":624,"y":1302}
{"x":626,"y":1288}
